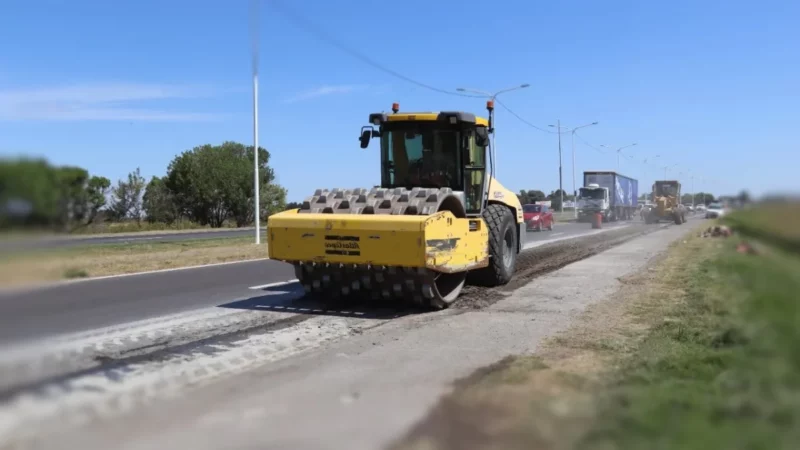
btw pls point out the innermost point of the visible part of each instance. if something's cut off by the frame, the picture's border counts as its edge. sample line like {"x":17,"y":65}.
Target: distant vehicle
{"x":537,"y":217}
{"x":715,"y":210}
{"x":667,"y":194}
{"x":700,"y":207}
{"x":614,"y":196}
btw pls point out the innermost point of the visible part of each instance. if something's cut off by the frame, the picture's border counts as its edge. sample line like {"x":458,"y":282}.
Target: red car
{"x":537,"y":217}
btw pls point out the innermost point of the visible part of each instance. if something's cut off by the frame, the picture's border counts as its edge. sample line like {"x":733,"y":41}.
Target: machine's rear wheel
{"x":502,"y":247}
{"x":677,"y":218}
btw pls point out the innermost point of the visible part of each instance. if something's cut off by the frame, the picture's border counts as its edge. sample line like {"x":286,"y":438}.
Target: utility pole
{"x":560,"y":180}
{"x":574,"y":188}
{"x":254,"y":49}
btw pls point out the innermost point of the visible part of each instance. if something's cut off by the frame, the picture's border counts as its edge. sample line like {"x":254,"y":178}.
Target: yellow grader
{"x":437,"y":216}
{"x":667,"y":200}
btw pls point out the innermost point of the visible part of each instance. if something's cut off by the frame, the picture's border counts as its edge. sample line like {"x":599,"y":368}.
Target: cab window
{"x":474,"y":174}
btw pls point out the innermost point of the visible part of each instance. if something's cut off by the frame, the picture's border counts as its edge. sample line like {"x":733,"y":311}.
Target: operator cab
{"x":433,"y":150}
{"x":666,"y":188}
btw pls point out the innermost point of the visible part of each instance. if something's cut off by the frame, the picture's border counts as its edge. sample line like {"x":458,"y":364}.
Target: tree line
{"x":210,"y":185}
{"x":535,"y":196}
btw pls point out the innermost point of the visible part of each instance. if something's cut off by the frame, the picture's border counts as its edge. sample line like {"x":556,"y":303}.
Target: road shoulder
{"x":665,"y":339}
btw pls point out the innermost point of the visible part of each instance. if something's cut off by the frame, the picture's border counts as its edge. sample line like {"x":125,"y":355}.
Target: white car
{"x":715,"y":210}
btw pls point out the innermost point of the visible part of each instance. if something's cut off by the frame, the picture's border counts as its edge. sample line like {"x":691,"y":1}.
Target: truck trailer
{"x":614,"y":196}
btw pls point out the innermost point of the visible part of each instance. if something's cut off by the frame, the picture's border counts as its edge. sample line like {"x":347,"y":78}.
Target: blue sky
{"x":711,"y":86}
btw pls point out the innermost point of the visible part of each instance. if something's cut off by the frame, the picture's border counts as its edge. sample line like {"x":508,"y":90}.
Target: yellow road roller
{"x":438,"y":216}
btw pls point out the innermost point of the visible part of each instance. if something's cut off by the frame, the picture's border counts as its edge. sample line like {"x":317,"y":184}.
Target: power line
{"x":580,"y":138}
{"x":321,"y":34}
{"x":521,"y":119}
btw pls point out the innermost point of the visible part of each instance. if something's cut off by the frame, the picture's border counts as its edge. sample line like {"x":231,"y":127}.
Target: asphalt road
{"x":88,"y":304}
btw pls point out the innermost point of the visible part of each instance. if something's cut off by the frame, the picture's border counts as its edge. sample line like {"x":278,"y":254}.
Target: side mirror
{"x":366,"y":135}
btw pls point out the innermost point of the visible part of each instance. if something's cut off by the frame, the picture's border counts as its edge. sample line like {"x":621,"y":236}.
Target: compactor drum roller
{"x":436,"y":217}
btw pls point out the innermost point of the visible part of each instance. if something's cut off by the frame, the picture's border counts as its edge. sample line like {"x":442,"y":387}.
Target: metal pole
{"x":254,"y":43}
{"x":494,"y":149}
{"x":574,"y":189}
{"x":255,"y":160}
{"x":560,"y":179}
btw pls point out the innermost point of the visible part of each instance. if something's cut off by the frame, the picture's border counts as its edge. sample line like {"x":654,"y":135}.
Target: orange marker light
{"x":395,"y":107}
{"x":489,"y":104}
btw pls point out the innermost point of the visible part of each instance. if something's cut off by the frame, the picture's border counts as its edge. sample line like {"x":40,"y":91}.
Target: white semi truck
{"x":614,"y":196}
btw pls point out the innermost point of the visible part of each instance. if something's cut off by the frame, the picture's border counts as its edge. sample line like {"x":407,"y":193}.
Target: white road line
{"x":269,"y":285}
{"x":556,"y":234}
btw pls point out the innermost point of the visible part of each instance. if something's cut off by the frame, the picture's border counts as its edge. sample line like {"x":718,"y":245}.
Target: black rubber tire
{"x":677,"y":218}
{"x":500,"y":222}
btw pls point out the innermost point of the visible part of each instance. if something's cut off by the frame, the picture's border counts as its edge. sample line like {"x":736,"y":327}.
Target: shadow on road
{"x":291,"y":298}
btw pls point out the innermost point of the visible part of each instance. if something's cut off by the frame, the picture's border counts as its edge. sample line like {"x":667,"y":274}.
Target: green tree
{"x":32,"y":182}
{"x":211,"y":184}
{"x":54,"y":197}
{"x":273,"y":200}
{"x":743,"y":197}
{"x":293,"y":205}
{"x":127,"y":197}
{"x":555,"y":199}
{"x":96,"y":191}
{"x":158,"y":202}
{"x":530,"y":196}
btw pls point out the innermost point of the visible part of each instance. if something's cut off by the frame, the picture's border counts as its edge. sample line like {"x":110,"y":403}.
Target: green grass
{"x":20,"y":268}
{"x":777,"y":223}
{"x":724,"y":372}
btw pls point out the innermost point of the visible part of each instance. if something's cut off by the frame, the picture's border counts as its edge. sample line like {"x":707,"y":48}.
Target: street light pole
{"x":560,"y":184}
{"x":574,"y":187}
{"x":494,"y":120}
{"x":254,"y":54}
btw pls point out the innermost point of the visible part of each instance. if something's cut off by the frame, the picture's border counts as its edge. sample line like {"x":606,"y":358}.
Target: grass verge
{"x":699,"y":351}
{"x":114,"y":259}
{"x":777,"y":223}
